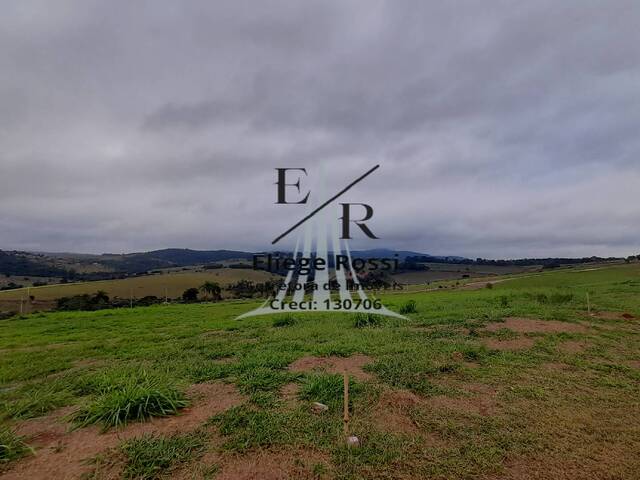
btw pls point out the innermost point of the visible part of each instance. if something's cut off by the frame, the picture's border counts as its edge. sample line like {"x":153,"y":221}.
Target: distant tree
{"x":190,"y":295}
{"x":212,"y":289}
{"x":100,"y":297}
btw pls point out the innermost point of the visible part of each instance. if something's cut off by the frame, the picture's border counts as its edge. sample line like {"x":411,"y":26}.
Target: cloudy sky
{"x":503,"y":128}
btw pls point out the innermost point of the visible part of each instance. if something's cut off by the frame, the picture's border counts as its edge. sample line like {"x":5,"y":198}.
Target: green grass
{"x":408,"y":307}
{"x":121,"y":397}
{"x":150,"y":457}
{"x":117,"y":366}
{"x":11,"y":445}
{"x":328,"y":389}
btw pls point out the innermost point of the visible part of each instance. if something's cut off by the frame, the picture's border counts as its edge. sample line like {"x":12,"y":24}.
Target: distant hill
{"x":167,"y":258}
{"x":72,"y":266}
{"x":402,"y":254}
{"x":28,"y":264}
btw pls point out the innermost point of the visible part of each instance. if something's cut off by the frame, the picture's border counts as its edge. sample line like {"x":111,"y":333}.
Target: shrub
{"x":409,"y":307}
{"x":6,"y":315}
{"x":97,"y":301}
{"x":190,"y":295}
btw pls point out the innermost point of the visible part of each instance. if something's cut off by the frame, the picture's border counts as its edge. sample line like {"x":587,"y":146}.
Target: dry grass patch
{"x":275,"y":464}
{"x":520,"y":343}
{"x":352,"y":365}
{"x":531,"y":325}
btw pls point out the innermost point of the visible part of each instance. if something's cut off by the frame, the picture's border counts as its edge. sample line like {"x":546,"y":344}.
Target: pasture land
{"x":173,"y":284}
{"x":517,"y":381}
{"x":445,"y":271}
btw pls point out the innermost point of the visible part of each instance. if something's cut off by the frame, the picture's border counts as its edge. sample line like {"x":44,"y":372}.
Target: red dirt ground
{"x":352,"y":365}
{"x":61,"y":454}
{"x":520,"y":343}
{"x":482,"y":400}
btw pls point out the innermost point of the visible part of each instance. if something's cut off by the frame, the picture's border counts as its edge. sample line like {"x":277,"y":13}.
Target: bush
{"x":190,"y":295}
{"x":6,"y":315}
{"x":97,"y":301}
{"x":408,"y":307}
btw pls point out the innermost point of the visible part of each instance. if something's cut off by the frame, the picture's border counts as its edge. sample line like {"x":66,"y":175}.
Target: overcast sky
{"x":503,"y":128}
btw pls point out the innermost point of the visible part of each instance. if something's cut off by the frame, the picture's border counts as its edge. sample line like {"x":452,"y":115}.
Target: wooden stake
{"x":588,"y":304}
{"x":346,"y":404}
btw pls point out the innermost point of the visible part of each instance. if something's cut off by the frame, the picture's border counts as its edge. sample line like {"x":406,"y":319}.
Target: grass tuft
{"x":364,"y":320}
{"x":286,"y":321}
{"x":409,"y":307}
{"x":150,"y":457}
{"x":37,"y":400}
{"x":328,"y":389}
{"x":11,"y":445}
{"x":130,"y":398}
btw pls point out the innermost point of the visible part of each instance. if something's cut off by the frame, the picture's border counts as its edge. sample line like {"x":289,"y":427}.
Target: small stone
{"x":353,"y":441}
{"x":457,"y":356}
{"x":319,"y":407}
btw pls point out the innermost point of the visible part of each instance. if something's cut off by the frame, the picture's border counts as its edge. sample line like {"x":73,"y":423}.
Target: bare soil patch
{"x":531,"y":325}
{"x":606,"y":315}
{"x":520,"y":343}
{"x":352,"y":365}
{"x":559,"y":467}
{"x":481,"y":399}
{"x":572,"y":346}
{"x":272,"y":464}
{"x":61,"y":453}
{"x":556,"y":367}
{"x":392,"y":412}
{"x":289,"y":393}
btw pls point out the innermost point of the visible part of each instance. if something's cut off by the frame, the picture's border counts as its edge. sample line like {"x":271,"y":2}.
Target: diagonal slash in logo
{"x":337,"y":195}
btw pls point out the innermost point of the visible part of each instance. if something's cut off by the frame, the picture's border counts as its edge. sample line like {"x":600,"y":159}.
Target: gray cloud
{"x":503,"y":128}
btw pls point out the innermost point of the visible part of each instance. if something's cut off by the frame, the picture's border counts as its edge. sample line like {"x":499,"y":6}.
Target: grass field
{"x":516,"y":381}
{"x":173,"y":284}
